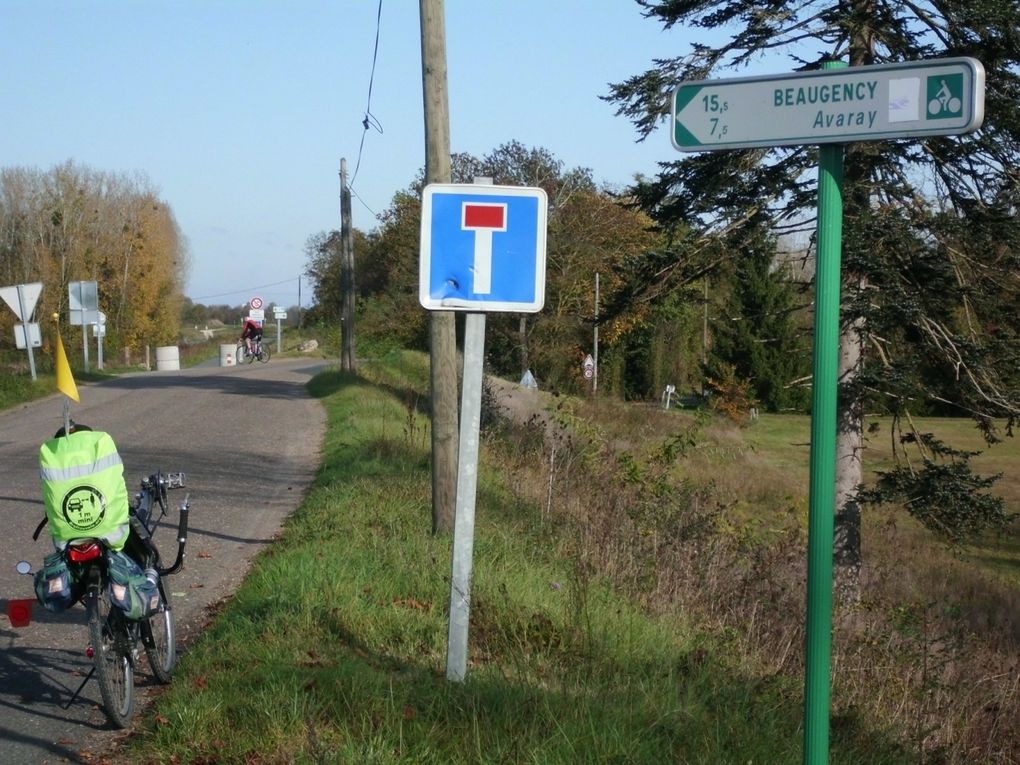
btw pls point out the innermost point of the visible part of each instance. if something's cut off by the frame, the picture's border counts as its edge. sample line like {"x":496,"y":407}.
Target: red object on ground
{"x":20,"y":612}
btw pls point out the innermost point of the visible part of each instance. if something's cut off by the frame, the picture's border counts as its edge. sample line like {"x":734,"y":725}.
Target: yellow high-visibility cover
{"x":83,"y":488}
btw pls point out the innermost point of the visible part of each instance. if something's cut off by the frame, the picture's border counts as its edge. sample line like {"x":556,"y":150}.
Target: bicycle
{"x":114,"y":637}
{"x":259,"y":351}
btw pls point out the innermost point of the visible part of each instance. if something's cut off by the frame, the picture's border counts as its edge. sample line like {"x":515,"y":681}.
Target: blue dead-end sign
{"x":482,"y":248}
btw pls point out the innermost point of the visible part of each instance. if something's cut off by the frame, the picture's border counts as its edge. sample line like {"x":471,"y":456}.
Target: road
{"x":248,"y":439}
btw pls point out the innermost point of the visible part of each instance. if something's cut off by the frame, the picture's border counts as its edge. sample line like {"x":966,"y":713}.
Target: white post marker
{"x":482,"y":249}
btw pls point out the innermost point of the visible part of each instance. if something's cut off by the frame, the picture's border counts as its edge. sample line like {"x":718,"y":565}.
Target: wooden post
{"x":442,"y":327}
{"x":347,"y":362}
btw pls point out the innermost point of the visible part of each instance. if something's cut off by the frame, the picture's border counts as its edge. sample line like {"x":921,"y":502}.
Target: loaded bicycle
{"x":124,"y":616}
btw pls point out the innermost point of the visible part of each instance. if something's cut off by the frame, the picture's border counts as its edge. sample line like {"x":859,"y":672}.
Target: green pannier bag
{"x":55,"y":587}
{"x":130,"y":589}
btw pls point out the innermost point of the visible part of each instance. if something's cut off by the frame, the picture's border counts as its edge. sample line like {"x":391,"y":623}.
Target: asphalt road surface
{"x":248,"y":439}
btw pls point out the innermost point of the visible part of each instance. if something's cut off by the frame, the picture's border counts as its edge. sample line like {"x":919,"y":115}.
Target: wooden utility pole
{"x":442,"y":327}
{"x":346,"y":272}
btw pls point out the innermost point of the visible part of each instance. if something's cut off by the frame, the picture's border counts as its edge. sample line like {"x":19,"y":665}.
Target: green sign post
{"x":830,"y":107}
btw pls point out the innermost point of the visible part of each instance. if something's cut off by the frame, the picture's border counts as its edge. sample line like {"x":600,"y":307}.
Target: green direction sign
{"x":862,"y":103}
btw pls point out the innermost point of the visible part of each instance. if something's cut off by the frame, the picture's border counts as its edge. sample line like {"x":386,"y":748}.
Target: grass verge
{"x":333,"y":649}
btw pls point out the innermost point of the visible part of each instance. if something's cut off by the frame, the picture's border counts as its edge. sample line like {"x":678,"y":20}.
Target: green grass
{"x":783,"y":441}
{"x":19,"y":389}
{"x":333,"y":650}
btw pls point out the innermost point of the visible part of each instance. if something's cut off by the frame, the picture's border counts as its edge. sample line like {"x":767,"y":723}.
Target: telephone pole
{"x":442,"y":326}
{"x":346,"y":272}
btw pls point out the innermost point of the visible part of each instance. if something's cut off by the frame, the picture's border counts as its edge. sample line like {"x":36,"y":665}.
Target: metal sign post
{"x":279,"y":314}
{"x":83,"y":300}
{"x":482,"y":249}
{"x":828,"y":107}
{"x":99,"y":330}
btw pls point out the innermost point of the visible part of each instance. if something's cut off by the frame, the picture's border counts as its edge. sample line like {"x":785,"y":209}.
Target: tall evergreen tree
{"x":758,"y":332}
{"x":931,"y":237}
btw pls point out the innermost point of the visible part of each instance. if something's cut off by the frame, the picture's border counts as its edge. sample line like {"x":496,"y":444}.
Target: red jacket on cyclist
{"x":251,"y":333}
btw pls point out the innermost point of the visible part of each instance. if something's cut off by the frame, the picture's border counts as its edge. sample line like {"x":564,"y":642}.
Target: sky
{"x":238,"y":112}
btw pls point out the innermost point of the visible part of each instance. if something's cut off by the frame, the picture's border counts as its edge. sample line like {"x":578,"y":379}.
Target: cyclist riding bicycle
{"x":251,"y":334}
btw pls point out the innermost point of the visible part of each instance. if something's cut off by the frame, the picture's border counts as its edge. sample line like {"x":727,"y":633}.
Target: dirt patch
{"x":524,"y":405}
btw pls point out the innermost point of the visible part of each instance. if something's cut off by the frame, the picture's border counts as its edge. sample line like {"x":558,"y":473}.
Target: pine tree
{"x":757,"y":332}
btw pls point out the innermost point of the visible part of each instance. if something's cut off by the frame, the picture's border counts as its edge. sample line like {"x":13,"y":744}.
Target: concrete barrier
{"x":167,"y":358}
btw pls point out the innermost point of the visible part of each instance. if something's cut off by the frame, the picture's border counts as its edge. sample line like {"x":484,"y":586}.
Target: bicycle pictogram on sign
{"x":945,"y":96}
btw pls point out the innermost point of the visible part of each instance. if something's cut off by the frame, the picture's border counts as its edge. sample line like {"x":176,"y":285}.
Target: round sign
{"x":255,"y":302}
{"x":589,"y":373}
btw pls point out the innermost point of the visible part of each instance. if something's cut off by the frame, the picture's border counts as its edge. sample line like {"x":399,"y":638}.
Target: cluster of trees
{"x":73,"y":224}
{"x":644,"y":343}
{"x":931,"y":238}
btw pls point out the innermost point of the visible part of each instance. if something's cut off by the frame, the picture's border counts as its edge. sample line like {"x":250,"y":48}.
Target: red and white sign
{"x":255,"y":302}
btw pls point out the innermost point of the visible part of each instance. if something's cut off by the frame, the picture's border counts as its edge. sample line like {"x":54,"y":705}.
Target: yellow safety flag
{"x":65,"y":380}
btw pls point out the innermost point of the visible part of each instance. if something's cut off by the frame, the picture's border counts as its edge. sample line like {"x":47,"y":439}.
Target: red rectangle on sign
{"x":484,"y":216}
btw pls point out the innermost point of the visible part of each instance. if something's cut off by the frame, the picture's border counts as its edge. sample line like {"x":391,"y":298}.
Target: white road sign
{"x":24,"y":305}
{"x":83,"y":302}
{"x":861,"y":103}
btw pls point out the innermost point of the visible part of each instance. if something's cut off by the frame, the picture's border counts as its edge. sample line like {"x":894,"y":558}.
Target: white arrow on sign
{"x":24,"y":305}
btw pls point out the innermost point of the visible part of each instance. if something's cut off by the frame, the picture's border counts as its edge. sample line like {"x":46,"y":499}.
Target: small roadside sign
{"x":278,"y":315}
{"x":32,"y":331}
{"x":257,"y":314}
{"x":255,"y":303}
{"x":83,"y":301}
{"x":859,"y":103}
{"x":22,"y":298}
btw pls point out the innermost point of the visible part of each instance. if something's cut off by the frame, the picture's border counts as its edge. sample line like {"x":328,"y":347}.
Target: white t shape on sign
{"x":484,"y":218}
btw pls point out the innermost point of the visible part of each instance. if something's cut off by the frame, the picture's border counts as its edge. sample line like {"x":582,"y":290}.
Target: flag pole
{"x":65,"y":378}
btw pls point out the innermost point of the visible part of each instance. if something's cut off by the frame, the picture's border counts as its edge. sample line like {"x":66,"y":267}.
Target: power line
{"x":363,"y":203}
{"x":370,"y":120}
{"x":246,"y":290}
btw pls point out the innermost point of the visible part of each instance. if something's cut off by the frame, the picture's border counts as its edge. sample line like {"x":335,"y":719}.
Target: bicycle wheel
{"x":160,"y":639}
{"x":112,"y":654}
{"x":264,"y":355}
{"x":241,"y":355}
